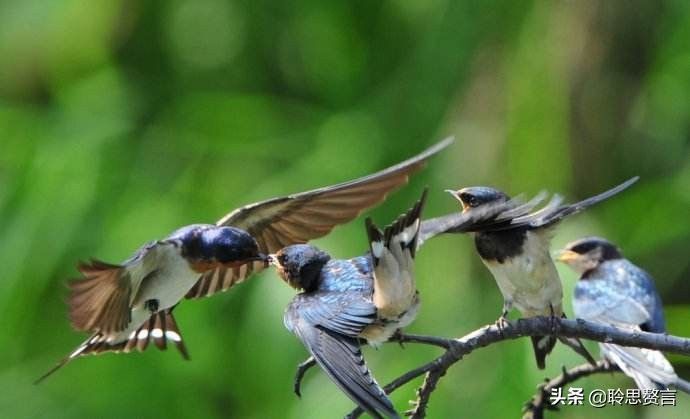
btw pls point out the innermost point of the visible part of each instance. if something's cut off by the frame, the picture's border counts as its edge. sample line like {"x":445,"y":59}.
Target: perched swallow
{"x":451,"y":223}
{"x":342,"y":301}
{"x":612,"y":290}
{"x":516,"y":252}
{"x":128,"y":305}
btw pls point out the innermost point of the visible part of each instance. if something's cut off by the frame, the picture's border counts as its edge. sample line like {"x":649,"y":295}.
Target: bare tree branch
{"x":424,"y":393}
{"x":534,"y":409}
{"x":535,"y":326}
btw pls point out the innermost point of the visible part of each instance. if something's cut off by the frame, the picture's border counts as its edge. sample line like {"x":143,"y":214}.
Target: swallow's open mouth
{"x":455,"y":194}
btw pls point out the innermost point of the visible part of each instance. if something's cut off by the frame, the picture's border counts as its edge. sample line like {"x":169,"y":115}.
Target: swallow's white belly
{"x":167,"y":277}
{"x":169,"y":283}
{"x":530,"y":282}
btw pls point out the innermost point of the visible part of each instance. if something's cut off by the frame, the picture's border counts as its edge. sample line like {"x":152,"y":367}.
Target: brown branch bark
{"x":457,"y":348}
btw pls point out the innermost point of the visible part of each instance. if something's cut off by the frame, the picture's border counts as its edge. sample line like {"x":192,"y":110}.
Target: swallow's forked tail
{"x":543,"y":345}
{"x":649,"y":368}
{"x":160,"y":329}
{"x":576,"y":345}
{"x":682,"y":385}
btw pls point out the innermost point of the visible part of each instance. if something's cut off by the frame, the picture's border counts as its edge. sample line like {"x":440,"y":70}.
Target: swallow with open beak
{"x":612,"y":290}
{"x":125,"y":306}
{"x":516,"y":252}
{"x":343,"y":301}
{"x":450,"y":223}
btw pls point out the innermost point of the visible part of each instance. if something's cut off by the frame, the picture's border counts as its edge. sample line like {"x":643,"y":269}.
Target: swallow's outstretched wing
{"x":487,"y":217}
{"x":160,"y":329}
{"x":553,"y":212}
{"x":101,"y":300}
{"x":298,"y":218}
{"x":328,"y":325}
{"x":514,"y":214}
{"x":393,"y":251}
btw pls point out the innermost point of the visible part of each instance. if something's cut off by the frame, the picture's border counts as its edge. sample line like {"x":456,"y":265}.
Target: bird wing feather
{"x":299,"y":218}
{"x":328,"y":325}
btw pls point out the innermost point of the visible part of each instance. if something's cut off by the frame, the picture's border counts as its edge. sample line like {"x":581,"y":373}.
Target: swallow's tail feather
{"x":160,"y":329}
{"x":576,"y":345}
{"x":649,"y":368}
{"x":341,"y":358}
{"x":100,"y":302}
{"x":682,"y":385}
{"x":543,"y":345}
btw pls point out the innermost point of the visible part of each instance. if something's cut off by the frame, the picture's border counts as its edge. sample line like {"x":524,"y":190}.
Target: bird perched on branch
{"x":126,"y":306}
{"x":456,"y":222}
{"x":614,"y":291}
{"x":342,"y":301}
{"x":516,"y":249}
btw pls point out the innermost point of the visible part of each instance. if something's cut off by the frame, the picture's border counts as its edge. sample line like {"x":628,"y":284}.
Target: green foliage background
{"x":121,"y":121}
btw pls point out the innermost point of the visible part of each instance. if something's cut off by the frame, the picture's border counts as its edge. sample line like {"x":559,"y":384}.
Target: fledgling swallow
{"x":451,"y":223}
{"x":342,"y":301}
{"x":516,"y":252}
{"x":614,"y":291}
{"x":126,"y":306}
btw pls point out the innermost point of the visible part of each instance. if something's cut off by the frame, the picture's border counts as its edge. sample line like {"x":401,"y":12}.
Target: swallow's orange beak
{"x":456,"y":195}
{"x":567,"y":256}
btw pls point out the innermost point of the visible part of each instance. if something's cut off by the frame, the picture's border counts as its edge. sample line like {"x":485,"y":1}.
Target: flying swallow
{"x":612,"y":290}
{"x":342,"y":301}
{"x":516,"y":252}
{"x":125,"y":306}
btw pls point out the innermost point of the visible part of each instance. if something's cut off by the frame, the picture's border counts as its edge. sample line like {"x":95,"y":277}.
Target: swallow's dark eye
{"x":470,"y":200}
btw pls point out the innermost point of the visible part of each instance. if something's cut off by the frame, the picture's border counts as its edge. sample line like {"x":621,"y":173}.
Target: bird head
{"x":588,"y":253}
{"x":300,"y":265}
{"x":210,"y":244}
{"x":477,"y":196}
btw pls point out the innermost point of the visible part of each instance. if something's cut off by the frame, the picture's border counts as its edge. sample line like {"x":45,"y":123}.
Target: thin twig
{"x":534,"y":409}
{"x":424,"y":394}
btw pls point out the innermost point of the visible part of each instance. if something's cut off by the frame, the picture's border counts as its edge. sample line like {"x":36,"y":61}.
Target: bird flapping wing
{"x":299,"y":218}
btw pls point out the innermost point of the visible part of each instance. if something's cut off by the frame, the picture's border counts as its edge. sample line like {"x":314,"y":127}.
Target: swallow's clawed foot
{"x":151,"y":305}
{"x":301,"y":369}
{"x":503,"y":323}
{"x":399,"y":337}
